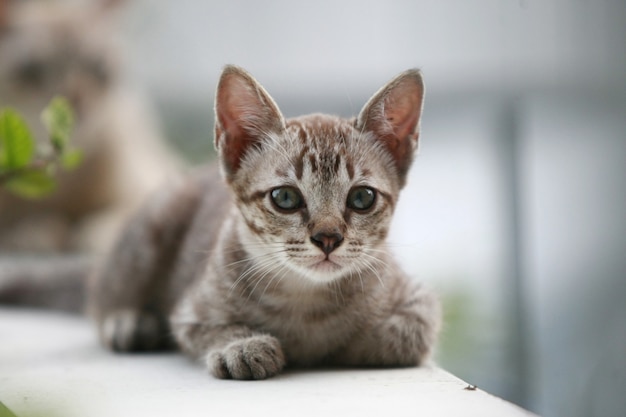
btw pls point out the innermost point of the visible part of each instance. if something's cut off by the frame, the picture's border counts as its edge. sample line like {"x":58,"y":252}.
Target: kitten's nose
{"x":327,"y":242}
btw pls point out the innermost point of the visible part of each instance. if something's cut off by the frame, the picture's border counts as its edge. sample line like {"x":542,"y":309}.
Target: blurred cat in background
{"x":70,"y":48}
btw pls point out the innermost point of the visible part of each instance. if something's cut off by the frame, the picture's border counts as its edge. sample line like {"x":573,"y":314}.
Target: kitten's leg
{"x":127,"y":296}
{"x":405,"y":337}
{"x":232,"y":352}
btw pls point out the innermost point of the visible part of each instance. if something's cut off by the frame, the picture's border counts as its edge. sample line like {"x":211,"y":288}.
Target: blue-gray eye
{"x":287,"y":198}
{"x":361,"y":198}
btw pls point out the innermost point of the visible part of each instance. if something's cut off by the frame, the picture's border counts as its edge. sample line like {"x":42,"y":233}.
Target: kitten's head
{"x":317,"y":192}
{"x":56,"y":47}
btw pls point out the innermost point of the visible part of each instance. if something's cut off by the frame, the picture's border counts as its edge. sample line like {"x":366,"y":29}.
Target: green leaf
{"x":71,"y":159}
{"x":31,"y":184}
{"x":16,"y":142}
{"x":5,"y":412}
{"x":58,"y":118}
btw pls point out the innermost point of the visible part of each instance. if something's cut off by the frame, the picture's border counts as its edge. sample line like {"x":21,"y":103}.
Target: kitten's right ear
{"x":244,"y":114}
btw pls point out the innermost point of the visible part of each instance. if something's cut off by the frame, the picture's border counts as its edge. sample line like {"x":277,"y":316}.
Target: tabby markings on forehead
{"x":313,"y":162}
{"x":324,"y":140}
{"x":350,"y":168}
{"x":337,"y":162}
{"x":298,"y":163}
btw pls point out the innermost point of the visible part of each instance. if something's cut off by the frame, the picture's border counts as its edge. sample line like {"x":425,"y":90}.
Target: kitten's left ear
{"x":393,"y":116}
{"x":245,"y":115}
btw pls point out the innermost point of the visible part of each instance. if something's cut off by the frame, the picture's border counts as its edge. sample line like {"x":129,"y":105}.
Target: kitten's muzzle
{"x":327,"y":242}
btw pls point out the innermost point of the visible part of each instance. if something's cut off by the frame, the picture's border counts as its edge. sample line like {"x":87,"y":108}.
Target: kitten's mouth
{"x":325,"y":265}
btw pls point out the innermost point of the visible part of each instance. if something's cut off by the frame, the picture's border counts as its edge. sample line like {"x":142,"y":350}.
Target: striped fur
{"x":246,"y":286}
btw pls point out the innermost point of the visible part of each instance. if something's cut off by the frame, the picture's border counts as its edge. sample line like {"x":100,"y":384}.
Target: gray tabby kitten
{"x":284,"y":262}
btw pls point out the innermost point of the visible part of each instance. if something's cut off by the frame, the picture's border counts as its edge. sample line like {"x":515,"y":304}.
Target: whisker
{"x":259,"y":280}
{"x":338,"y":291}
{"x":232,"y":265}
{"x":366,"y":262}
{"x":240,"y":247}
{"x":283,"y":270}
{"x":253,"y":269}
{"x":357,"y":271}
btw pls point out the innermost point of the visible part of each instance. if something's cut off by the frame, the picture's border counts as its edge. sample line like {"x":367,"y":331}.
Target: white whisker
{"x":265,"y":262}
{"x":283,"y":270}
{"x":261,"y":278}
{"x":366,"y":260}
{"x":232,"y":265}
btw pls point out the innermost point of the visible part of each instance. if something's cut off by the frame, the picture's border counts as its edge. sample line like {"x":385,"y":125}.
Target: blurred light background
{"x":516,"y":207}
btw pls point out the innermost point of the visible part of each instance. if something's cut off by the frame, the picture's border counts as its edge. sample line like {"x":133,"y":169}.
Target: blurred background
{"x":515,"y":210}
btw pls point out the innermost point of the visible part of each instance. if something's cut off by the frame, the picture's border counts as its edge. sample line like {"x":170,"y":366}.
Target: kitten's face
{"x":317,"y":199}
{"x":316,"y":193}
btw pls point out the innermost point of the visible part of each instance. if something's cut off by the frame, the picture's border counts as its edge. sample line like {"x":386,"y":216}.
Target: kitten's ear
{"x":244,"y":114}
{"x":393,"y":116}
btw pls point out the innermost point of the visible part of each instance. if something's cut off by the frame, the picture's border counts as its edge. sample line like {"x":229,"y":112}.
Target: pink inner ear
{"x":230,"y":113}
{"x":402,"y":111}
{"x":237,"y":141}
{"x":393,"y":115}
{"x":233,"y":96}
{"x":245,"y":113}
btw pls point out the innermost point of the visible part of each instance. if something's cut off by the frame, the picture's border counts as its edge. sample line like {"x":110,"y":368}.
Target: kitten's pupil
{"x":287,"y":198}
{"x":361,"y":198}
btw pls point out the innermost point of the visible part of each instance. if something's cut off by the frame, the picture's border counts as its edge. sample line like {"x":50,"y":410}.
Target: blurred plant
{"x":28,"y":169}
{"x":50,"y":411}
{"x":462,"y":321}
{"x":5,"y":412}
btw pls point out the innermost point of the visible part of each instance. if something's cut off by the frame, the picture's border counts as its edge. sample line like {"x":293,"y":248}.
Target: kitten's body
{"x":286,"y":262}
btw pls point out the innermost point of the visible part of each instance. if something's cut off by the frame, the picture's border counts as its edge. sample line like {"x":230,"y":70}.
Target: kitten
{"x":284,"y":262}
{"x":69,"y":48}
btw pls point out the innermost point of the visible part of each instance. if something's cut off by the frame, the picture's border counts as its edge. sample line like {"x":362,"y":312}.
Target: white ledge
{"x":52,"y":363}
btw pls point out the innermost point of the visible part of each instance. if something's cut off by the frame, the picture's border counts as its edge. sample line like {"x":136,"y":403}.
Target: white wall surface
{"x":179,"y":47}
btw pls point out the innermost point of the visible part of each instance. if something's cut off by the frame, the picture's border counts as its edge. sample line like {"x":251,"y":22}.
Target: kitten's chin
{"x":324,"y":271}
{"x":326,"y":266}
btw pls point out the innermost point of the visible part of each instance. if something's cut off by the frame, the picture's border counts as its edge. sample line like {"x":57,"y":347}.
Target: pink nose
{"x":327,"y":242}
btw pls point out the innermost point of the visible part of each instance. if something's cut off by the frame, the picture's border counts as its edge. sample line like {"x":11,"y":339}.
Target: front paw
{"x":256,"y":357}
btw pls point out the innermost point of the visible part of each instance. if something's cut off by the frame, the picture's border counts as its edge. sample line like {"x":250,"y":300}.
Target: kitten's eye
{"x":361,"y":198}
{"x":287,"y":198}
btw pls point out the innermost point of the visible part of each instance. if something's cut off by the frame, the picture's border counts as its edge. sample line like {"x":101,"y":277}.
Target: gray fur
{"x":240,"y":284}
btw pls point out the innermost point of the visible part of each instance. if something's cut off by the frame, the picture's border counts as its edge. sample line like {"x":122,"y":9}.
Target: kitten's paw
{"x":129,"y":330}
{"x":256,"y":357}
